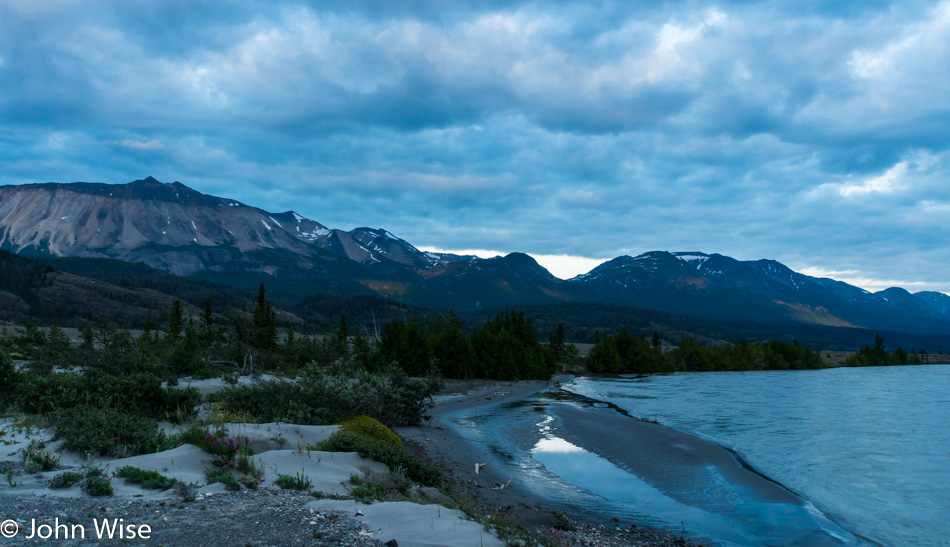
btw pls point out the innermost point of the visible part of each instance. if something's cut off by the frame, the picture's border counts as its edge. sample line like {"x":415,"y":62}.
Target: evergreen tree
{"x":264,"y":333}
{"x":175,"y":322}
{"x":207,"y":317}
{"x":148,"y":325}
{"x":556,"y":343}
{"x":656,"y":339}
{"x":341,"y":340}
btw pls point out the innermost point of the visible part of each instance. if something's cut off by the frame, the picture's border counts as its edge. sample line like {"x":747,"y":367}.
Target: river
{"x":868,"y":449}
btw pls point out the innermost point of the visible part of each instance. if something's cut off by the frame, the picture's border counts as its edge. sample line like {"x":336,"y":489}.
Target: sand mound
{"x":414,"y":525}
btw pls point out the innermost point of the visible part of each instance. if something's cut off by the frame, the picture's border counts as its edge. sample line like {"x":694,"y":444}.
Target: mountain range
{"x":183,"y":232}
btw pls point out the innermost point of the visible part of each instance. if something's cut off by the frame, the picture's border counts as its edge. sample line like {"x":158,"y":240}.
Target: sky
{"x":815,"y":133}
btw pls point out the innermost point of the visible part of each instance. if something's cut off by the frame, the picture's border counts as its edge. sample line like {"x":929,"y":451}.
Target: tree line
{"x":621,"y":352}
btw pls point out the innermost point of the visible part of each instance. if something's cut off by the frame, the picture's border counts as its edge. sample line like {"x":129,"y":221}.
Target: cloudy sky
{"x":807,"y":132}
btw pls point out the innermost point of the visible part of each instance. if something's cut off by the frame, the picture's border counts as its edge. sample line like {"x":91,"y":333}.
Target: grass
{"x":149,"y":480}
{"x":298,"y":482}
{"x":247,"y":466}
{"x":38,"y":459}
{"x":366,"y":491}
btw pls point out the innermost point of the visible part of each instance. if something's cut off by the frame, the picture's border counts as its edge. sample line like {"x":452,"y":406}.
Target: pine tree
{"x":340,"y":341}
{"x":556,"y":343}
{"x":656,"y":339}
{"x":264,"y":334}
{"x":175,"y":322}
{"x":207,"y":318}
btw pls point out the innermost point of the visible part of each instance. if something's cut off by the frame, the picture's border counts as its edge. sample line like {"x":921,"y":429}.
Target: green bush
{"x":108,"y":432}
{"x":66,"y":479}
{"x":417,"y":469}
{"x":9,"y":380}
{"x":369,"y":428}
{"x":37,"y":459}
{"x":365,"y":491}
{"x":149,"y":480}
{"x":97,"y":486}
{"x":319,"y":398}
{"x":141,"y":393}
{"x":217,"y":443}
{"x":224,"y":477}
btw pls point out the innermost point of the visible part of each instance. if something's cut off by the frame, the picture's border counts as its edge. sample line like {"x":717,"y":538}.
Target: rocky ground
{"x":248,"y":518}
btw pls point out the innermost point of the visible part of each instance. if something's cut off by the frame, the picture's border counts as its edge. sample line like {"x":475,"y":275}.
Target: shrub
{"x":110,"y":432}
{"x":149,"y":480}
{"x":365,"y":491}
{"x":224,"y":477}
{"x":9,"y":379}
{"x":66,"y":479}
{"x":45,"y":393}
{"x":249,"y":482}
{"x":217,"y":443}
{"x":417,"y":469}
{"x":298,"y":482}
{"x":364,"y":426}
{"x":37,"y":459}
{"x":319,"y":398}
{"x":97,"y":486}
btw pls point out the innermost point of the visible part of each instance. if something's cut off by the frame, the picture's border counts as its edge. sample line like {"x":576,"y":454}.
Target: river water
{"x":867,"y":448}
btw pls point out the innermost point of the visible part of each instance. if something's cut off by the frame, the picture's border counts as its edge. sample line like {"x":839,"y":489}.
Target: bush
{"x":108,"y":432}
{"x":366,"y":492}
{"x":217,"y":443}
{"x":9,"y":379}
{"x":66,"y":479}
{"x":97,"y":486}
{"x":369,"y":428}
{"x":37,"y":459}
{"x":149,"y":480}
{"x":417,"y":469}
{"x":224,"y":477}
{"x":319,"y":398}
{"x":46,"y":393}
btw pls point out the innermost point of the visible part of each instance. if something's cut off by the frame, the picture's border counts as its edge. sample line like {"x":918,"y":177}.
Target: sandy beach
{"x":456,"y":454}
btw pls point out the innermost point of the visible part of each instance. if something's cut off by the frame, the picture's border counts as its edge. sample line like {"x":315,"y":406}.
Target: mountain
{"x":512,"y":280}
{"x":719,"y":287}
{"x":183,"y":232}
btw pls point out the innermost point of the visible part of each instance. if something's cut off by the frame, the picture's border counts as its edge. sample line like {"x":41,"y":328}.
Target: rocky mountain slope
{"x":719,"y":287}
{"x":184,"y":232}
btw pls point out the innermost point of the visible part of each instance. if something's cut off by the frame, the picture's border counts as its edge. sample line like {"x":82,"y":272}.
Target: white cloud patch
{"x":888,"y":182}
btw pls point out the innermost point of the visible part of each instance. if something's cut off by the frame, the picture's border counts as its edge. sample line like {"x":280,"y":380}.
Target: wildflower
{"x":217,"y":442}
{"x":261,"y":481}
{"x":207,"y":435}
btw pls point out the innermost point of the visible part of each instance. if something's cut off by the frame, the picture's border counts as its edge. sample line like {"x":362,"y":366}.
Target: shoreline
{"x":688,"y":467}
{"x":440,"y":442}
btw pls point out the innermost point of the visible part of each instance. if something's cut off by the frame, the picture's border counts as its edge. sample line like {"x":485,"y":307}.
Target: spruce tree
{"x":264,"y":335}
{"x":341,"y":339}
{"x":207,"y":318}
{"x":175,"y":322}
